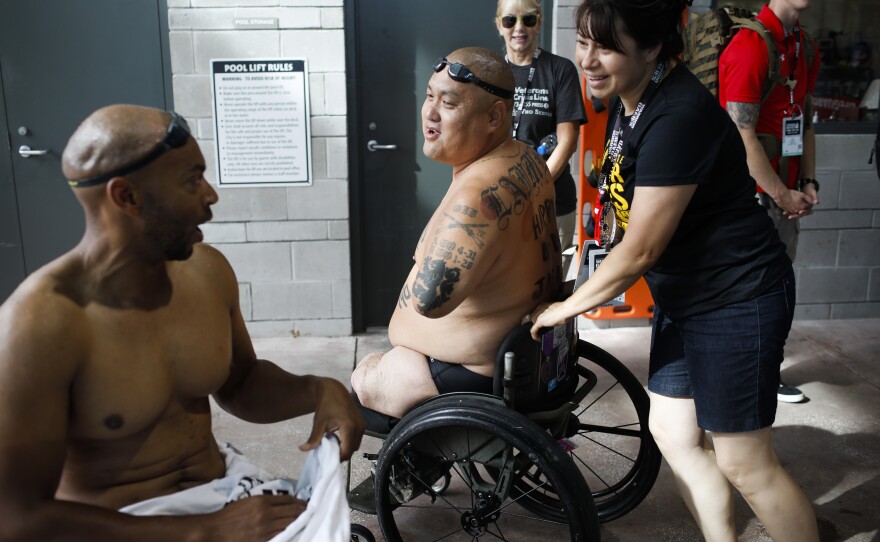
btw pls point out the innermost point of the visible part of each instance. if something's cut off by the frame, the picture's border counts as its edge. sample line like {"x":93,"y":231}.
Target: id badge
{"x":793,"y":135}
{"x":592,"y":257}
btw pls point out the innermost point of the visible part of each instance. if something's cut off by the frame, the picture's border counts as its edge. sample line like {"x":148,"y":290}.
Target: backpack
{"x":706,"y":35}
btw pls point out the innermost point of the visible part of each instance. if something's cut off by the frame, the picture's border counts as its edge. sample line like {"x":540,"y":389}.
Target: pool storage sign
{"x":261,"y":122}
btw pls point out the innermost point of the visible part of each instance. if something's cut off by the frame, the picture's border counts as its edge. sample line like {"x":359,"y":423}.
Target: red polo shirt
{"x":742,"y":70}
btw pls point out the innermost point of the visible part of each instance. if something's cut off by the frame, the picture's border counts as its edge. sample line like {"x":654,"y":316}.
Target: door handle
{"x":373,"y":146}
{"x":26,"y":152}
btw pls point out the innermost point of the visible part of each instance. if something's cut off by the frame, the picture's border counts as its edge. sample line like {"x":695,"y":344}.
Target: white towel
{"x":326,"y":517}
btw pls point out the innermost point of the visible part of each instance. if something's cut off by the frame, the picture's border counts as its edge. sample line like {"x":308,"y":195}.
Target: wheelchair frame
{"x":561,"y":463}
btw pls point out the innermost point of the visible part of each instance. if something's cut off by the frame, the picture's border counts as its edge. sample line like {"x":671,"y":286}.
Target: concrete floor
{"x":829,"y":442}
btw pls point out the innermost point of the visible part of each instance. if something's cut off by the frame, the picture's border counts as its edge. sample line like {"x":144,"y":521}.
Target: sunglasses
{"x":461,"y":73}
{"x":176,"y":137}
{"x":509,"y":21}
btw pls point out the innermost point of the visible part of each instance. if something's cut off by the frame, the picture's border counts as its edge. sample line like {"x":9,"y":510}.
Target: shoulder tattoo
{"x":476,"y":232}
{"x":434,"y":284}
{"x":745,"y":115}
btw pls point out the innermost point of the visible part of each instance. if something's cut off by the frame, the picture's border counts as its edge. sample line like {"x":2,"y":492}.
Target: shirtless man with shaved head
{"x":488,"y":255}
{"x":110,"y":352}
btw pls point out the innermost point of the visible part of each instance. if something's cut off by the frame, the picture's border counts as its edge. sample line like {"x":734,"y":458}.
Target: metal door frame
{"x":8,"y":181}
{"x":355,"y":154}
{"x":8,"y":197}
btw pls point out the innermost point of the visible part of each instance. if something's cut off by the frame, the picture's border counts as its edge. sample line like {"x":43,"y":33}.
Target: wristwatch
{"x":804,"y":182}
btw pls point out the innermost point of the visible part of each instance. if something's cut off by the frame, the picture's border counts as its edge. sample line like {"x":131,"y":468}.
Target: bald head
{"x":112,"y":137}
{"x":488,"y":66}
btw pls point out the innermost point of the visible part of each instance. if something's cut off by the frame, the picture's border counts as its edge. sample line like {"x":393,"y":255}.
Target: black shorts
{"x":726,"y":359}
{"x":450,"y":377}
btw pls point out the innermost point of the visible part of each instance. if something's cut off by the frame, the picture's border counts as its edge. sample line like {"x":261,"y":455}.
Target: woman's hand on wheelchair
{"x":546,"y":315}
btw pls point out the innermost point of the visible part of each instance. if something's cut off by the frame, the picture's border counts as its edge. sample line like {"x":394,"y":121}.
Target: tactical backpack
{"x":706,"y":35}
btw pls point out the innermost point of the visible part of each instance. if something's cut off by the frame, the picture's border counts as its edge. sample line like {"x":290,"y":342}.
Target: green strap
{"x":774,"y":76}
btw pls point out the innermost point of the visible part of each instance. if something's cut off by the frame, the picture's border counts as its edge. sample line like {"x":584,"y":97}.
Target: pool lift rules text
{"x":261,"y":122}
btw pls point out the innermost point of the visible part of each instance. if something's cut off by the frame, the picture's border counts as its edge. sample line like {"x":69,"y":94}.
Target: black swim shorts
{"x":450,"y":377}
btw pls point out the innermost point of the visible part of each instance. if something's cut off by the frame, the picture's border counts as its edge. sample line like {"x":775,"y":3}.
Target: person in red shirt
{"x":783,"y":167}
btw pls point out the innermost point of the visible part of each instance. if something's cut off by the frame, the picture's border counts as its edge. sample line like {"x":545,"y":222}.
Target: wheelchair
{"x":560,"y":446}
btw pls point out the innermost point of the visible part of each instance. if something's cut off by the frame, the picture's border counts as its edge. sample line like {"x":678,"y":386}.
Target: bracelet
{"x":804,"y":182}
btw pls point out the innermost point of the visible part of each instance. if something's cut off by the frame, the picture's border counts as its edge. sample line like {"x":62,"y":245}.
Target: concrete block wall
{"x":838,"y":260}
{"x":288,"y":246}
{"x":565,"y":36}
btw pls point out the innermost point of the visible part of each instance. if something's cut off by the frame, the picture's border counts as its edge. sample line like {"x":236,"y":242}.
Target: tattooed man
{"x":488,"y":255}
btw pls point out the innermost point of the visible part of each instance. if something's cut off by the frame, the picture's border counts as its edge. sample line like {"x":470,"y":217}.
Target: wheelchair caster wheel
{"x":359,"y":533}
{"x":441,"y":485}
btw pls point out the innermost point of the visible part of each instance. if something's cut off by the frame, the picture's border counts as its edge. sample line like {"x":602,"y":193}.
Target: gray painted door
{"x":60,"y":60}
{"x":396,"y":191}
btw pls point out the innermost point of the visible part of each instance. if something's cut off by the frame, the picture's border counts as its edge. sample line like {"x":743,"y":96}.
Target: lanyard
{"x":517,"y":116}
{"x":793,"y":61}
{"x":603,"y":230}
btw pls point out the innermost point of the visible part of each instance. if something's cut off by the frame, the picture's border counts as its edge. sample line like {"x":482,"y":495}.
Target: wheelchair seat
{"x":543,"y":378}
{"x":543,"y":375}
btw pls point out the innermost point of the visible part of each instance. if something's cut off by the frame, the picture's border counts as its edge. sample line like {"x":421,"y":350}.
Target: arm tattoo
{"x":405,"y":295}
{"x":434,"y":283}
{"x":465,"y":210}
{"x":452,"y":254}
{"x":745,"y":115}
{"x":475,"y":231}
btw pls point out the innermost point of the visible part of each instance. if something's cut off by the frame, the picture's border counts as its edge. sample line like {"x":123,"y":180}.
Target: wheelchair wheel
{"x":359,"y":533}
{"x":486,"y":448}
{"x":608,"y":439}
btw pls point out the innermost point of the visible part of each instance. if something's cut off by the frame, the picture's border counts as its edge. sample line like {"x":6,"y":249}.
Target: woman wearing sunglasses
{"x":548,"y":100}
{"x":680,"y":192}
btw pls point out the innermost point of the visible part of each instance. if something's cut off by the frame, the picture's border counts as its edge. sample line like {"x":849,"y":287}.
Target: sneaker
{"x":789,"y":394}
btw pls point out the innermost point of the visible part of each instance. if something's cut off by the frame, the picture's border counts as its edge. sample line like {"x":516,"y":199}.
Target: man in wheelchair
{"x":487,"y":257}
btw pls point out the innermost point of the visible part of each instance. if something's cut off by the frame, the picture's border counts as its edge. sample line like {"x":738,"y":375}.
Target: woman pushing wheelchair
{"x":677,"y":205}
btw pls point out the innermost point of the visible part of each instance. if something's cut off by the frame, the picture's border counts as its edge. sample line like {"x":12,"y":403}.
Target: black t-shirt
{"x":553,"y":96}
{"x":725,"y":249}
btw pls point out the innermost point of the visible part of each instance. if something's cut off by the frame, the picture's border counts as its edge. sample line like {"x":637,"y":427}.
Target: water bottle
{"x":546,"y":146}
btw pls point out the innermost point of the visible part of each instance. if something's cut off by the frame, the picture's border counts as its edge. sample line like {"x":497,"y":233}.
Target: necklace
{"x":605,"y":223}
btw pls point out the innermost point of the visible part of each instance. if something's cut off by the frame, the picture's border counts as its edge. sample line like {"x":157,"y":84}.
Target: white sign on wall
{"x":261,"y":122}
